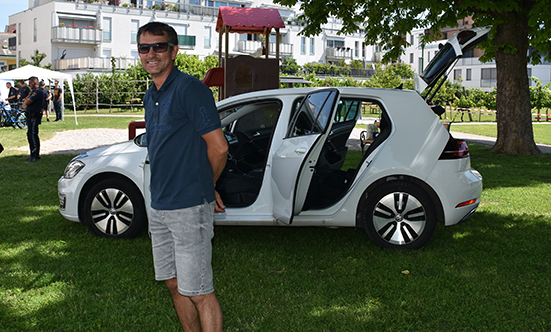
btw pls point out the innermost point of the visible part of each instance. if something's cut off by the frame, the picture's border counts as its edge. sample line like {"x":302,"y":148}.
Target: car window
{"x":347,"y":110}
{"x":313,"y":115}
{"x":264,"y":116}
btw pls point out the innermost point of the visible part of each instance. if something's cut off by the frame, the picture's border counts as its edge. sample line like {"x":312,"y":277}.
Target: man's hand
{"x":219,"y":206}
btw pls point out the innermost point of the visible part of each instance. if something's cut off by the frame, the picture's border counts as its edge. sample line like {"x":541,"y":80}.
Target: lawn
{"x":489,"y":273}
{"x":542,"y":130}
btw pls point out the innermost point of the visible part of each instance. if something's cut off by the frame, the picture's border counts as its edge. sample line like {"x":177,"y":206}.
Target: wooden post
{"x":227,"y":47}
{"x":267,"y":41}
{"x":277,"y":43}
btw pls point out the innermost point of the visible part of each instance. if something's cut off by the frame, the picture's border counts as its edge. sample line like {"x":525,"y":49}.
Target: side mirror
{"x":141,"y":140}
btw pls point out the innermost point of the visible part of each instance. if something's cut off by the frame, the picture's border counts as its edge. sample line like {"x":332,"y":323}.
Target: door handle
{"x":301,"y":150}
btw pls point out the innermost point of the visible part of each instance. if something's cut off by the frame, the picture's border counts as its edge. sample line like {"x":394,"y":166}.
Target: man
{"x":187,"y":153}
{"x":24,"y":91}
{"x":33,"y":107}
{"x":58,"y":94}
{"x":12,"y":95}
{"x":46,"y":100}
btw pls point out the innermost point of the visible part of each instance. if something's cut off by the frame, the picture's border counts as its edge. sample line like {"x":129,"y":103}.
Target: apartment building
{"x":79,"y":36}
{"x":469,"y":71}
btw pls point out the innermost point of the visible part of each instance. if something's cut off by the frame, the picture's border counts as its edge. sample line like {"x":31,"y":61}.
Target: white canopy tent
{"x":27,"y":71}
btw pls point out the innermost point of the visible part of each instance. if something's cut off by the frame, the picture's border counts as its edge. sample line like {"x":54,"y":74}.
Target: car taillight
{"x":455,"y":149}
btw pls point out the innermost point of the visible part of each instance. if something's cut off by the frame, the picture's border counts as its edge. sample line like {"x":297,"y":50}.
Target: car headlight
{"x":73,"y":168}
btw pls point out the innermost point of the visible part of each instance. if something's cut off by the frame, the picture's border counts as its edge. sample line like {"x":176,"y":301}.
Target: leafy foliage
{"x":36,"y":59}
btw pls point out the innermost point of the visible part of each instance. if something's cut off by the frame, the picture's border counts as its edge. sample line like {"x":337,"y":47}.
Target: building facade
{"x":80,"y":37}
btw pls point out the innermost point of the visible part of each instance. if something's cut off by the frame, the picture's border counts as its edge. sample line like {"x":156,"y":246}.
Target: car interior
{"x":249,"y":139}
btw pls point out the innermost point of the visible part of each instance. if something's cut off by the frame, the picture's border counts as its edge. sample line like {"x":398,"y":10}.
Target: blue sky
{"x":10,"y":7}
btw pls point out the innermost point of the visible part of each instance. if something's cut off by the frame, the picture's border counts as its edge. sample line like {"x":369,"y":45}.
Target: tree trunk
{"x":514,"y":119}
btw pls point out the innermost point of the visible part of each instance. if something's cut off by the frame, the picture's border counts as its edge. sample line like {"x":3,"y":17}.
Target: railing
{"x":168,"y":10}
{"x":284,"y":49}
{"x":93,"y":63}
{"x":69,"y":34}
{"x":338,"y":53}
{"x":250,"y":46}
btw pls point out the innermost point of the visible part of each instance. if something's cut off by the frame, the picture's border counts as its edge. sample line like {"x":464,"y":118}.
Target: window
{"x":335,"y":43}
{"x":412,"y":40}
{"x":313,"y":115}
{"x":106,"y":28}
{"x":135,"y":25}
{"x":357,"y":49}
{"x":488,"y":77}
{"x":468,"y":75}
{"x":312,"y":47}
{"x":18,"y":33}
{"x":218,"y":4}
{"x":411,"y":58}
{"x":107,"y":53}
{"x":456,"y":74}
{"x":34,"y":30}
{"x":302,"y":45}
{"x":207,"y":37}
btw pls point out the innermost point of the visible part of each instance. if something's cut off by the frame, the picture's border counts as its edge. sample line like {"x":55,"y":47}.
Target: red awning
{"x":249,"y":20}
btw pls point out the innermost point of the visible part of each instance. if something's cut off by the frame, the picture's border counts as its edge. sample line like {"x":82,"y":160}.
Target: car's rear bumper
{"x":459,"y":188}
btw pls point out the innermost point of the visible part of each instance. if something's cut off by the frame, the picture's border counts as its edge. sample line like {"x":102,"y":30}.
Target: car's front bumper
{"x":68,"y":198}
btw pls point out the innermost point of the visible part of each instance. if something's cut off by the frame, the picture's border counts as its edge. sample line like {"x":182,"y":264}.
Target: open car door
{"x":294,"y":162}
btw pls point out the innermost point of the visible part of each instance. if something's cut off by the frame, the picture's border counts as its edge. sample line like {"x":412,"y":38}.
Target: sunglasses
{"x":157,"y":47}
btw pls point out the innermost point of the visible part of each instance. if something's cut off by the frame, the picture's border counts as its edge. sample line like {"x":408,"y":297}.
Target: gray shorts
{"x":182,"y":247}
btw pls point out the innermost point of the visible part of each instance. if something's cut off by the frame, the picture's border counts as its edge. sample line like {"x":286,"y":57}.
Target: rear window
{"x":440,"y":63}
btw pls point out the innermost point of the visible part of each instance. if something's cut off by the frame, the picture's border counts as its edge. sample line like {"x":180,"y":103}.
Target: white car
{"x":287,"y":149}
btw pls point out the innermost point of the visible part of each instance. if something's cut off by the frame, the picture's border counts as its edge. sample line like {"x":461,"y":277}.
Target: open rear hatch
{"x":428,"y":83}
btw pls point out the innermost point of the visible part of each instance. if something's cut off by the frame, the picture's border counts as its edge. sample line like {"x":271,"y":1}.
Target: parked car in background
{"x":287,"y":151}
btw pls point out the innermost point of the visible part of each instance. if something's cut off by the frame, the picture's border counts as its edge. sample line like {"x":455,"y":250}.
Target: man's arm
{"x":217,"y":149}
{"x":27,"y":102}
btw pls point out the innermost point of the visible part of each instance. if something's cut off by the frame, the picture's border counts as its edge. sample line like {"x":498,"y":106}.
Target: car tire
{"x":399,"y":215}
{"x":114,"y":208}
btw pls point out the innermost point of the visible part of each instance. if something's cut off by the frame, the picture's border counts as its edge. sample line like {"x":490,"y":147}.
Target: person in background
{"x":57,"y":95}
{"x":187,"y":153}
{"x":24,"y":91}
{"x":33,"y":109}
{"x":46,"y":100}
{"x":12,"y":95}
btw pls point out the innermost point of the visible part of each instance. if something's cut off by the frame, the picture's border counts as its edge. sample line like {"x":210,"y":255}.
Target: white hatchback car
{"x":287,"y":151}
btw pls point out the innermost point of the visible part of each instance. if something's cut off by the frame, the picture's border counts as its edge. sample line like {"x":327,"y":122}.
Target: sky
{"x":10,"y":7}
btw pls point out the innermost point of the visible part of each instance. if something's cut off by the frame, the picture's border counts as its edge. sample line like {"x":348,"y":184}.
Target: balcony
{"x":187,"y":42}
{"x":338,"y":53}
{"x":250,"y":47}
{"x":93,"y":63}
{"x":67,"y":34}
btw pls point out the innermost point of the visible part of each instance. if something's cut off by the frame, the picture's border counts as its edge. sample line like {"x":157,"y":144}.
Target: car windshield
{"x":439,"y":64}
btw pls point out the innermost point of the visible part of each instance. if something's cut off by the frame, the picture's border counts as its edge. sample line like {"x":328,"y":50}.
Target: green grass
{"x":490,"y":273}
{"x":542,"y":131}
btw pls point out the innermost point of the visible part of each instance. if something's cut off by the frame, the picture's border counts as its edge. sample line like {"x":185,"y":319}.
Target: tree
{"x":518,"y":26}
{"x":35,"y":60}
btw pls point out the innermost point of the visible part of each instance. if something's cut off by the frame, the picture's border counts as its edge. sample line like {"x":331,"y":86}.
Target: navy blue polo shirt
{"x":24,"y":92}
{"x":37,"y":97}
{"x":176,"y":116}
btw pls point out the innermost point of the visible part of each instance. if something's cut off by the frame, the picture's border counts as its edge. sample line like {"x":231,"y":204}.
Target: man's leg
{"x":187,"y":313}
{"x":196,"y":313}
{"x":210,"y":313}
